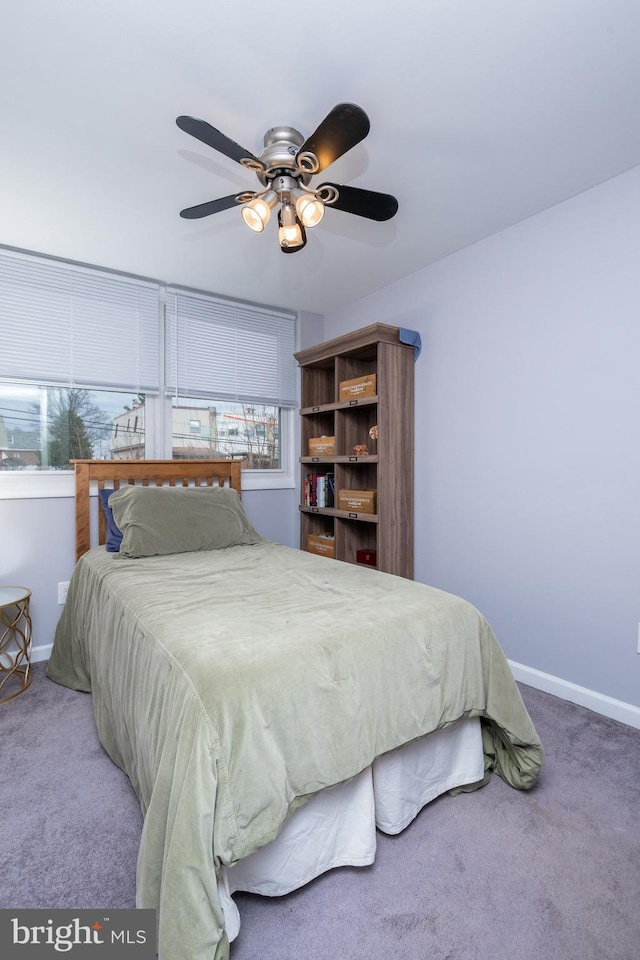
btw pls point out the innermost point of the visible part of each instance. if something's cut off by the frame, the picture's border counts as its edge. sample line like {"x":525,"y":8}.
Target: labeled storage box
{"x":322,"y":446}
{"x":357,"y":501}
{"x":324,"y":546}
{"x":358,"y":387}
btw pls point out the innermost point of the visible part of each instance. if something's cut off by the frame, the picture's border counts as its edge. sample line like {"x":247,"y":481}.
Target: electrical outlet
{"x":62,"y":591}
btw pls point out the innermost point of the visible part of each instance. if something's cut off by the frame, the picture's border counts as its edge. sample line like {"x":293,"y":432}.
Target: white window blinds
{"x":229,"y":350}
{"x":68,"y":325}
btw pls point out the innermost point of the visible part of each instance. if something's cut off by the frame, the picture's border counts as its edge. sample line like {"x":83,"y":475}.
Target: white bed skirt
{"x":338,"y":827}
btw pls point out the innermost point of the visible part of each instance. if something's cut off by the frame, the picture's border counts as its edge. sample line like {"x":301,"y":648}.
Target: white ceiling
{"x":483,"y":112}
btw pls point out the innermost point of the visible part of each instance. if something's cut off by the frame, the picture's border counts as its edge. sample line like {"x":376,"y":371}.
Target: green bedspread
{"x":232,"y":685}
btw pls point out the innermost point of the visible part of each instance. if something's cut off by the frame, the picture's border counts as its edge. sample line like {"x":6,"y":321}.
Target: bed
{"x":272,"y":708}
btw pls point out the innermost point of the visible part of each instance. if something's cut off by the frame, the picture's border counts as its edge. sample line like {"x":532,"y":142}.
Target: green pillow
{"x":160,"y":520}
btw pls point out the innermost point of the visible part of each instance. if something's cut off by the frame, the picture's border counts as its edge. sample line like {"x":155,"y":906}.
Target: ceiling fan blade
{"x":204,"y":132}
{"x":364,"y":203}
{"x":212,"y":206}
{"x":345,"y":126}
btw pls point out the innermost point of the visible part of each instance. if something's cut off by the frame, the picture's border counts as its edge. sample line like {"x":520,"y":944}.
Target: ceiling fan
{"x":285,"y":167}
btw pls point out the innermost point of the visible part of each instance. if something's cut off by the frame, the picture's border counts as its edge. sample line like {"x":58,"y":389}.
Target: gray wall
{"x":527,"y":432}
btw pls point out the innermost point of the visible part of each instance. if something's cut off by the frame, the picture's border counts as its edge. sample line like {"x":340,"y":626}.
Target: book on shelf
{"x":319,"y":490}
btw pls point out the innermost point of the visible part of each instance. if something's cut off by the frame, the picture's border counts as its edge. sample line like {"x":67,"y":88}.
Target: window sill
{"x":44,"y":484}
{"x":36,"y":484}
{"x":266,"y":480}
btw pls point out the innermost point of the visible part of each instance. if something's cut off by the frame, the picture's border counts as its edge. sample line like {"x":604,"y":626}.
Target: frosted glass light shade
{"x":290,"y":233}
{"x":256,"y":213}
{"x":309,"y":209}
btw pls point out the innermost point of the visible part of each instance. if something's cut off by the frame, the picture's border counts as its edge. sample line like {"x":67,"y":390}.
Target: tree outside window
{"x":44,"y":428}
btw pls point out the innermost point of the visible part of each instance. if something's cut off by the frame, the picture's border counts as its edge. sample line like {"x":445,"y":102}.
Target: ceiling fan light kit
{"x":285,"y":167}
{"x":257,"y":212}
{"x":291,"y":233}
{"x":309,"y":207}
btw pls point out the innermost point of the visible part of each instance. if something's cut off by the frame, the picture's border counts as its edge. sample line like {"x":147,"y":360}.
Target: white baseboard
{"x":598,"y":702}
{"x":41,"y":653}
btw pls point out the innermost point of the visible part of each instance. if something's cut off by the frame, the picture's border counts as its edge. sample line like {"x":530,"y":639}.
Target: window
{"x":76,"y":346}
{"x":69,"y":326}
{"x":231,"y":430}
{"x":84,"y":377}
{"x":233,"y":351}
{"x":44,"y":428}
{"x":236,"y":361}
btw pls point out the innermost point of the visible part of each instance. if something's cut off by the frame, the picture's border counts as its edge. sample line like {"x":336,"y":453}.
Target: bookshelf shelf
{"x":345,"y":514}
{"x":345,"y":458}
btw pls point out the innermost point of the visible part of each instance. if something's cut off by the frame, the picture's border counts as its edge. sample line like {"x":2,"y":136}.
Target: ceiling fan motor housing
{"x":281,"y":145}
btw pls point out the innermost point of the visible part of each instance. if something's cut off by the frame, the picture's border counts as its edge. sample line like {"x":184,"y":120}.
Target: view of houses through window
{"x":241,"y":431}
{"x":44,"y":428}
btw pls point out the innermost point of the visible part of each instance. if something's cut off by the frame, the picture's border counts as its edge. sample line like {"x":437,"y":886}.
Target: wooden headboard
{"x":116,"y":473}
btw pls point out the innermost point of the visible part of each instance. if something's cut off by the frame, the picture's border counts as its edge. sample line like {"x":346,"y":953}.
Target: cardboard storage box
{"x":324,"y":546}
{"x":358,"y":387}
{"x":322,"y":446}
{"x":357,"y":501}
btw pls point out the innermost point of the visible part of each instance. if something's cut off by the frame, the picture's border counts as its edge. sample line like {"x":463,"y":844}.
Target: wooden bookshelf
{"x":387,"y":468}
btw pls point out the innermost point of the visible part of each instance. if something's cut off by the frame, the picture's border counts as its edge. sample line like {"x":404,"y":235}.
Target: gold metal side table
{"x":15,"y":641}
